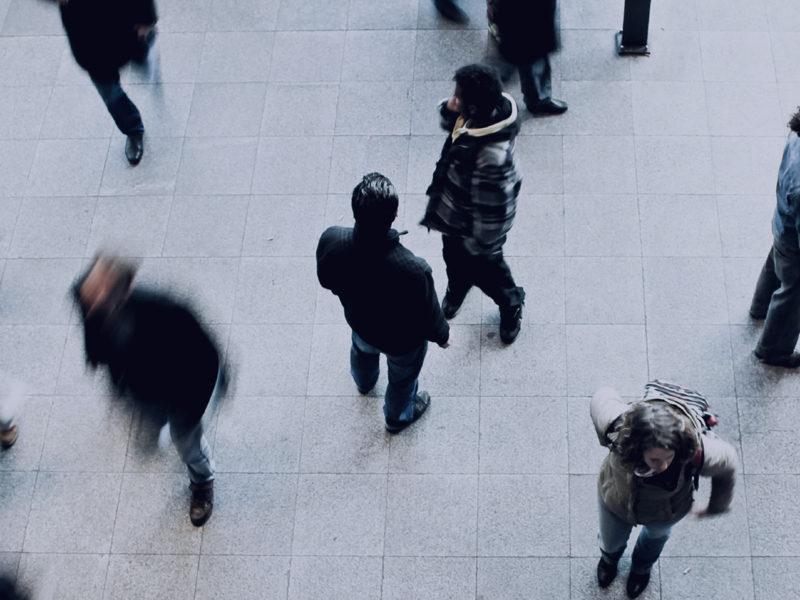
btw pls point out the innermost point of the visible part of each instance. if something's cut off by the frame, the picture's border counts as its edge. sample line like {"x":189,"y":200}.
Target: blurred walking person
{"x":157,"y":352}
{"x":777,"y":295}
{"x":388,"y":298}
{"x":106,"y":35}
{"x":12,"y":398}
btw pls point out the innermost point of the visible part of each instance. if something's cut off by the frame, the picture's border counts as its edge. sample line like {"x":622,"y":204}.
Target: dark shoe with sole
{"x":549,"y":107}
{"x":790,"y":362}
{"x":364,"y":392}
{"x":202,"y":502}
{"x":450,"y":308}
{"x":510,"y":324}
{"x":7,"y":438}
{"x":637,"y":584}
{"x":606,"y":573}
{"x":450,"y":11}
{"x":421,"y":404}
{"x":758,"y":317}
{"x":134,"y":148}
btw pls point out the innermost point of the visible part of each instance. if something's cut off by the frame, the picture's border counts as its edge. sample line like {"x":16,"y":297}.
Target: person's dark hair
{"x":794,"y":122}
{"x":480,"y":87}
{"x":654,"y":425}
{"x":375,"y":202}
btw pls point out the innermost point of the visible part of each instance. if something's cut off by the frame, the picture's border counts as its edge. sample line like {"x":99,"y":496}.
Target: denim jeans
{"x":535,"y":79}
{"x":777,"y":296}
{"x":614,"y":534}
{"x":403,"y":373}
{"x":122,"y":110}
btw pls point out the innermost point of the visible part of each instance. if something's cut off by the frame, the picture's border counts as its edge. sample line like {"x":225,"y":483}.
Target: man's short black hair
{"x":375,"y":202}
{"x":480,"y":87}
{"x":794,"y":122}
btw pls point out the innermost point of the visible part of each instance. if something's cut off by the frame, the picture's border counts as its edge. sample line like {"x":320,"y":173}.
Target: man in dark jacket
{"x":525,"y":31}
{"x":473,"y":195}
{"x":106,"y":35}
{"x":777,"y":295}
{"x":388,"y":298}
{"x":157,"y":352}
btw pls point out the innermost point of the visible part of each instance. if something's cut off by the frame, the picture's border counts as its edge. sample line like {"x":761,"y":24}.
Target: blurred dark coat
{"x":156,"y":349}
{"x":101,"y":33}
{"x":525,"y":29}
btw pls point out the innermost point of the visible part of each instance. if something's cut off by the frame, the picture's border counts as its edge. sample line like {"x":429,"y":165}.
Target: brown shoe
{"x":7,"y":438}
{"x":202,"y":502}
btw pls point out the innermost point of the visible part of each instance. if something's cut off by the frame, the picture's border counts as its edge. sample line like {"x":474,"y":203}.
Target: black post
{"x":633,"y":37}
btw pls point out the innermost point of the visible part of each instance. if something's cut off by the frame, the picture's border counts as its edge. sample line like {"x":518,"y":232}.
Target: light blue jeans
{"x":614,"y":534}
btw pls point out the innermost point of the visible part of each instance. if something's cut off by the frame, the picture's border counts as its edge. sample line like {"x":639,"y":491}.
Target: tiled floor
{"x":644,"y":221}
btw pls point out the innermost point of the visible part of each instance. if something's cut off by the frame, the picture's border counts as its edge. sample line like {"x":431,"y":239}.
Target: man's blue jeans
{"x":122,"y":109}
{"x":403,"y":373}
{"x":614,"y":534}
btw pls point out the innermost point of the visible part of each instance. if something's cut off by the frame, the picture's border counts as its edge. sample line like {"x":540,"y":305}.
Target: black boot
{"x":202,"y":503}
{"x":510,"y":324}
{"x":450,"y":11}
{"x":637,"y":584}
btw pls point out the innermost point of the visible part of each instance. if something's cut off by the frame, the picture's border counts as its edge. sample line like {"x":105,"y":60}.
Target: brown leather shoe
{"x":202,"y":502}
{"x":7,"y":438}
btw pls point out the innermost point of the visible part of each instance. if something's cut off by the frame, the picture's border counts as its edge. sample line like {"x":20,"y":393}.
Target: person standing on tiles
{"x":104,"y":36}
{"x":777,"y":295}
{"x":472,"y":199}
{"x":388,"y":298}
{"x":158,"y":353}
{"x":12,"y":397}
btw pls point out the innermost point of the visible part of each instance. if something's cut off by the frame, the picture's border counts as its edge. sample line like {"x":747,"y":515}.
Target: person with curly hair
{"x":657,"y":448}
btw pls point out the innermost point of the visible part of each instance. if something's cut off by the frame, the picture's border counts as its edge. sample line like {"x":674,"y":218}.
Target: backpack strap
{"x":697,"y":465}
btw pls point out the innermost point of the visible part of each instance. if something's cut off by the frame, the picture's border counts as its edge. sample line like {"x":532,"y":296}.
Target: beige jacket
{"x":626,"y":496}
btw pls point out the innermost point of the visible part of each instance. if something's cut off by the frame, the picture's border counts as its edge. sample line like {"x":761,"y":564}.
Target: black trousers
{"x":490,"y":273}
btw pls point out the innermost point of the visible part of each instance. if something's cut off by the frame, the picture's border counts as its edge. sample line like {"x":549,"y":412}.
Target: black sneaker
{"x":606,"y":573}
{"x":637,"y":584}
{"x":510,"y":324}
{"x":450,"y":308}
{"x":421,"y":404}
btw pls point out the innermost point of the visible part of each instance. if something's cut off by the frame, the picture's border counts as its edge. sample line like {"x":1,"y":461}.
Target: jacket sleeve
{"x":143,"y":12}
{"x":438,"y":327}
{"x":322,"y":270}
{"x":606,"y":406}
{"x":720,"y":463}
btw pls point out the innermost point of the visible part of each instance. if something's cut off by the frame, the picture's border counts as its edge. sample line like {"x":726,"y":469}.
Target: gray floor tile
{"x":434,"y":578}
{"x":676,"y":225}
{"x":741,"y":275}
{"x":9,"y":210}
{"x":16,"y":493}
{"x":24,"y":111}
{"x":516,"y":433}
{"x":669,"y":108}
{"x":164,"y":108}
{"x":583,"y":525}
{"x":454,"y":371}
{"x":184,"y":16}
{"x":236,"y":57}
{"x":32,"y":353}
{"x":329,"y":374}
{"x":67,"y":168}
{"x":591,"y":56}
{"x":445,"y":441}
{"x":16,"y":158}
{"x":770,"y":452}
{"x":444,"y":515}
{"x":259,"y":435}
{"x":340,"y":515}
{"x":313,"y":56}
{"x":344,"y":435}
{"x":704,"y":363}
{"x":600,"y":355}
{"x":424,"y":114}
{"x":155,"y":175}
{"x":216,"y":166}
{"x":534,"y":365}
{"x":744,"y":109}
{"x":675,"y":56}
{"x":599,"y":164}
{"x":537,"y":527}
{"x":599,"y":107}
{"x":379,"y":56}
{"x":423,"y":153}
{"x":206,"y":226}
{"x":585,"y":452}
{"x":30,"y":60}
{"x":746,"y":165}
{"x":595,"y":297}
{"x":355,"y":156}
{"x":602,"y":225}
{"x":542,"y":162}
{"x":28,"y":448}
{"x":253,"y":515}
{"x":538,"y":228}
{"x":86,"y":435}
{"x":293,"y":165}
{"x":267,"y":290}
{"x":365,"y":14}
{"x":737,"y":56}
{"x":76,"y":111}
{"x":771,"y":514}
{"x":440,"y":53}
{"x":590,"y":16}
{"x":429,"y":18}
{"x":767,"y":414}
{"x":718,"y":16}
{"x":753,"y":378}
{"x":685,"y":290}
{"x":782,"y":16}
{"x":207,"y":285}
{"x":745,"y":224}
{"x":369,"y":109}
{"x":243,"y":15}
{"x":73,"y":514}
{"x":674,"y":165}
{"x":64,"y":576}
{"x":312,"y":107}
{"x":272,"y":230}
{"x":313,"y":14}
{"x":245,"y":577}
{"x":151,"y":577}
{"x":272,"y":359}
{"x":137,"y":225}
{"x":181,"y":53}
{"x":776,"y":577}
{"x":34,"y":292}
{"x":226,"y":110}
{"x":52,"y":227}
{"x":524,"y":578}
{"x":352,"y":577}
{"x":31,"y":19}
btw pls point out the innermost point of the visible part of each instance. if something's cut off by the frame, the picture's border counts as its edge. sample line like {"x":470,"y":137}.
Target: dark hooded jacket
{"x":524,"y":29}
{"x":475,"y":186}
{"x":101,"y":33}
{"x":387,"y":293}
{"x":156,"y":350}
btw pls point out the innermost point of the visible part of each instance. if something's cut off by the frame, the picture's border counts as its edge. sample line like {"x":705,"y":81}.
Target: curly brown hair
{"x":654,"y":425}
{"x":794,"y":122}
